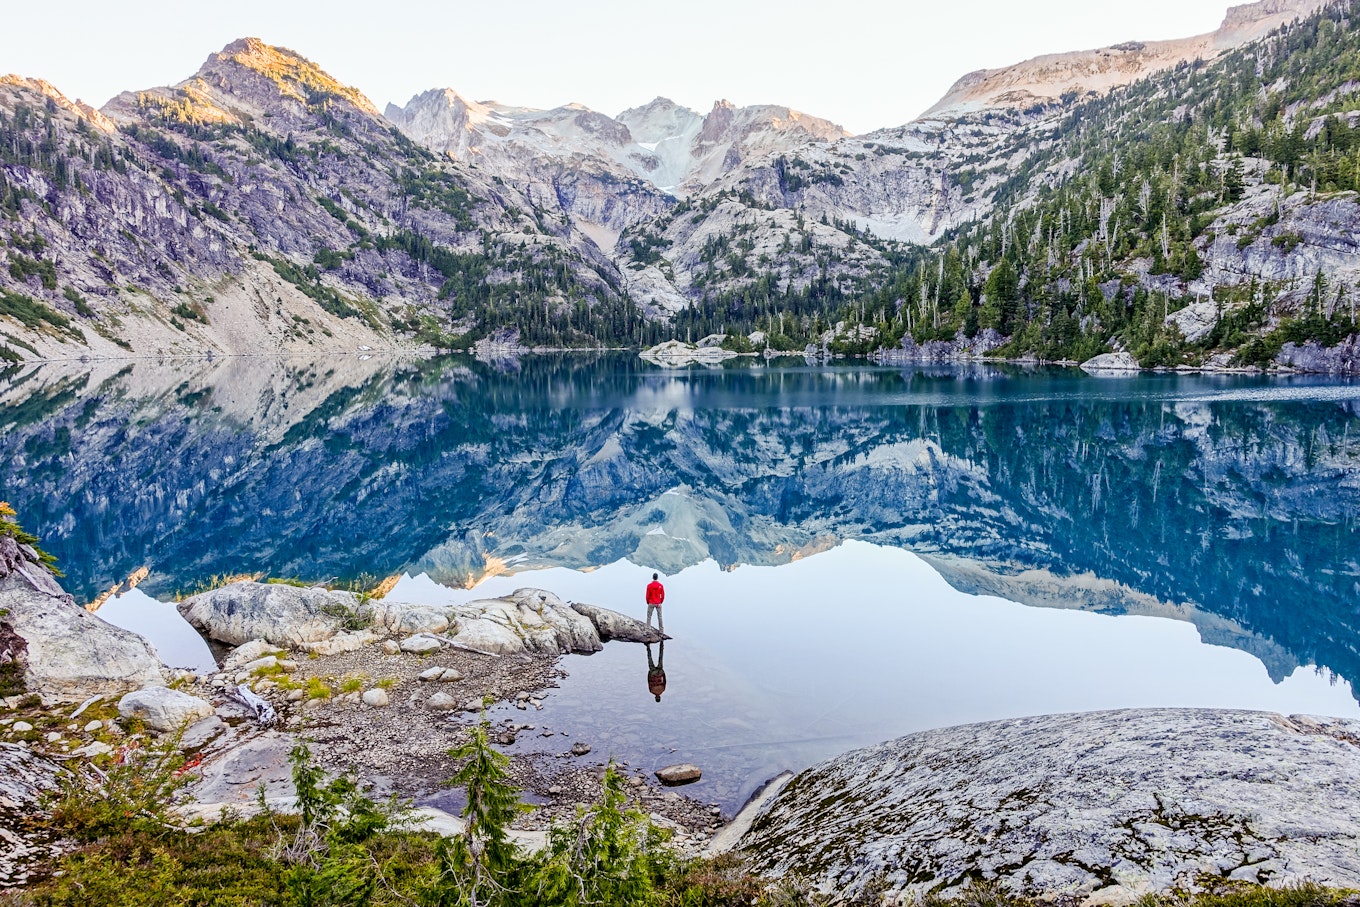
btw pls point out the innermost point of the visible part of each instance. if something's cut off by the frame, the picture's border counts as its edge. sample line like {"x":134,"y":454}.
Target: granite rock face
{"x":528,"y":621}
{"x":1103,"y":806}
{"x":276,"y":613}
{"x":25,"y":779}
{"x":1342,"y":359}
{"x":69,"y":653}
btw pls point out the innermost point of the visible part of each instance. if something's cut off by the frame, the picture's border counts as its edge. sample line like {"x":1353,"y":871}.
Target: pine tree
{"x":605,"y":858}
{"x":476,"y":867}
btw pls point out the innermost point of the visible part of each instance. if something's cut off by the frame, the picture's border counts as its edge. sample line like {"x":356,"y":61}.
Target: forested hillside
{"x":1208,"y":209}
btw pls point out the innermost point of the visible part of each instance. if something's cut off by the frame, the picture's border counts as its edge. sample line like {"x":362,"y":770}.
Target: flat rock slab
{"x":1103,"y":806}
{"x":235,"y":777}
{"x":612,"y":625}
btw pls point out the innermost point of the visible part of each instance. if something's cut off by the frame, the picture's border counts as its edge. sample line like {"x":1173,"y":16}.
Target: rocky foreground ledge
{"x":1100,"y":807}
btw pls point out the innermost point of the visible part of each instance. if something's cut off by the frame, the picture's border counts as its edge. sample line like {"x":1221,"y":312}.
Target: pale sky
{"x":864,"y":64}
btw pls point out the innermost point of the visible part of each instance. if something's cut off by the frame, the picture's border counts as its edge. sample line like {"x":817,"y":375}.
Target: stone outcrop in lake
{"x":613,"y":625}
{"x":529,"y":621}
{"x":66,"y":653}
{"x":1104,"y":806}
{"x":678,"y":354}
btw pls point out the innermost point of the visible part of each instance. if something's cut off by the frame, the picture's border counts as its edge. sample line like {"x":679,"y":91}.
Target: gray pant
{"x":659,"y":624}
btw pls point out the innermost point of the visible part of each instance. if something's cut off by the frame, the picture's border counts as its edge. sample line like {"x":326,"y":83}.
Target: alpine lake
{"x":850,"y":553}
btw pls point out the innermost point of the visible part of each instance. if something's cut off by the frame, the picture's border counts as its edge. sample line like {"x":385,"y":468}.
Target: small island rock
{"x":683,"y":773}
{"x":1105,"y":363}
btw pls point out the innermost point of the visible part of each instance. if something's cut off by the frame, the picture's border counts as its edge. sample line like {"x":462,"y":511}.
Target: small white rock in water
{"x":441,"y":702}
{"x":434,"y":673}
{"x":93,"y":726}
{"x":420,"y":645}
{"x":683,"y":773}
{"x":390,"y":647}
{"x":377,"y":698}
{"x":580,"y":749}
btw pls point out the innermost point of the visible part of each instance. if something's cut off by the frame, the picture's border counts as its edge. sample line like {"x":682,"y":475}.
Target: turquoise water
{"x":1179,"y":539}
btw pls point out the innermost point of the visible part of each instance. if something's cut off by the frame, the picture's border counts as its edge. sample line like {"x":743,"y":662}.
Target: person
{"x":656,"y":594}
{"x":656,"y":671}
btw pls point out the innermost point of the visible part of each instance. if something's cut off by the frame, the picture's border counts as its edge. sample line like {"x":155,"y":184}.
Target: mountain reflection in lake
{"x":1224,"y":501}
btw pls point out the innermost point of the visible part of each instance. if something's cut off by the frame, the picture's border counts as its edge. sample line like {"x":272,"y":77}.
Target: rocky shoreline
{"x":381,"y":691}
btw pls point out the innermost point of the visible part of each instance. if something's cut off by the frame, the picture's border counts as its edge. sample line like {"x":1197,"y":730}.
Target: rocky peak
{"x":659,"y":119}
{"x":50,"y":92}
{"x":1249,"y":14}
{"x":245,"y":80}
{"x":1047,"y":79}
{"x":293,"y":74}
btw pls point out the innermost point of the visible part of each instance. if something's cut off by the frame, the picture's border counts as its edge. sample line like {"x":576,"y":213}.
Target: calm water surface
{"x":850,"y":553}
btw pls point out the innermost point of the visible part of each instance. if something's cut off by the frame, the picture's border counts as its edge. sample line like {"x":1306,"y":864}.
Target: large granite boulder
{"x":527,"y":621}
{"x":1102,"y":806}
{"x":66,"y":652}
{"x":27,"y":780}
{"x":277,"y":613}
{"x":164,"y":709}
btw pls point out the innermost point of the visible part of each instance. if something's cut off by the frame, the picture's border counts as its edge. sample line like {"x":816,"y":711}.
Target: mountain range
{"x":262,"y":206}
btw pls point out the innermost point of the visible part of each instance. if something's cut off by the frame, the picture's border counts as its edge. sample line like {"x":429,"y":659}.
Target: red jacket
{"x":656,"y":593}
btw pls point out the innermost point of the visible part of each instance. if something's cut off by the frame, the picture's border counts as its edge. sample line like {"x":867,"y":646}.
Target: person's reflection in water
{"x":656,"y":671}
